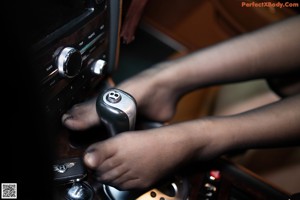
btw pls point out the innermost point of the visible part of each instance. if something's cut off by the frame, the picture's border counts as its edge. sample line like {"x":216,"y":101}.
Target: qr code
{"x":8,"y":191}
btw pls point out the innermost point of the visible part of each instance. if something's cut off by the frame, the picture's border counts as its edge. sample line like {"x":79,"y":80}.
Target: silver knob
{"x":69,"y":62}
{"x":98,"y":67}
{"x":79,"y":191}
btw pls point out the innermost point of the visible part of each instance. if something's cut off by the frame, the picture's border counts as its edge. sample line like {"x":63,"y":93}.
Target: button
{"x":209,"y":194}
{"x":215,"y":175}
{"x":210,"y":187}
{"x":153,"y":194}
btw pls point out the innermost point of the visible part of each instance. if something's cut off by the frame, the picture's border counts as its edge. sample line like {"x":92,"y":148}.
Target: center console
{"x":75,"y":46}
{"x":74,"y":51}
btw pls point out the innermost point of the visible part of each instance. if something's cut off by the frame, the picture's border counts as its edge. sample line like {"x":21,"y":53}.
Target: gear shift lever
{"x":117,"y":110}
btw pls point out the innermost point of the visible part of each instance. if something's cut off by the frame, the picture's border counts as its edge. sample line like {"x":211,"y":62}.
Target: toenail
{"x":90,"y":150}
{"x":68,"y":117}
{"x":89,"y":159}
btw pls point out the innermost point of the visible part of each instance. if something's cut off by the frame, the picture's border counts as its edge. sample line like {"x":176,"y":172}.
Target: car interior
{"x":78,"y":49}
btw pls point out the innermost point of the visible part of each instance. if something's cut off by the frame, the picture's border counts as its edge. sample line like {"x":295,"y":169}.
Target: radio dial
{"x":69,"y":62}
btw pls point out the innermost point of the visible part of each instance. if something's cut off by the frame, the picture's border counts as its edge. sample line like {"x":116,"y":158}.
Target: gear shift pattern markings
{"x":117,"y":110}
{"x":113,"y":97}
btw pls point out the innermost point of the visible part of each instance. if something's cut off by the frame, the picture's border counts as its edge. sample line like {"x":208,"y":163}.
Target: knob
{"x":69,"y":62}
{"x":79,"y":191}
{"x":98,"y":67}
{"x":117,"y":110}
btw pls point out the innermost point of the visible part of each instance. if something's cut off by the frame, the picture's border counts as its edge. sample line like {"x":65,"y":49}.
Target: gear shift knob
{"x":117,"y":110}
